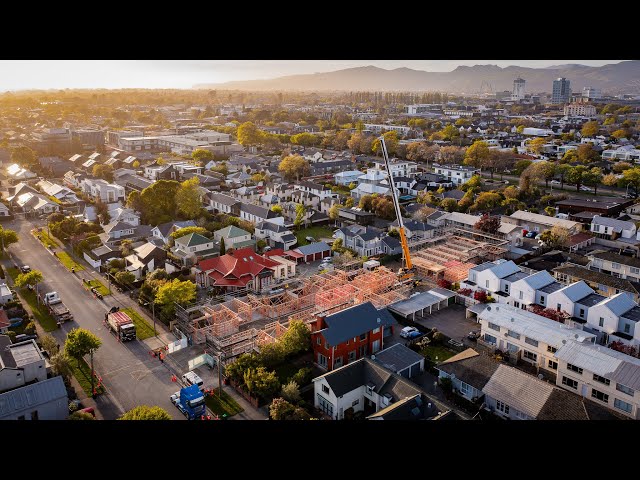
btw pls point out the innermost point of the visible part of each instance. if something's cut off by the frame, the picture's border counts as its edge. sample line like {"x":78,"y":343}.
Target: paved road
{"x":132,"y":377}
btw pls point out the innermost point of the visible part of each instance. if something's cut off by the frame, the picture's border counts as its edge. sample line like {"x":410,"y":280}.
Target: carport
{"x":435,"y":299}
{"x":401,"y":360}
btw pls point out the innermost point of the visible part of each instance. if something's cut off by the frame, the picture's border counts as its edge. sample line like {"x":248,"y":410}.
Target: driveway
{"x":451,"y":321}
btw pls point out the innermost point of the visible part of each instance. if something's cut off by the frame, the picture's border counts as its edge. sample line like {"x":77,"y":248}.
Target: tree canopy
{"x":189,"y":198}
{"x":7,"y":237}
{"x":175,"y":291}
{"x":81,"y":342}
{"x":146,"y":412}
{"x":30,"y":278}
{"x":157,"y":203}
{"x":294,"y":167}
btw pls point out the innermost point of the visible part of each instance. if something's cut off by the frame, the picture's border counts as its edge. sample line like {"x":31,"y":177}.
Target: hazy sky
{"x":59,"y":74}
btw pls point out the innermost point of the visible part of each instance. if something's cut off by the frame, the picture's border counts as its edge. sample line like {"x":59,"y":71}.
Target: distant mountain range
{"x":623,"y":77}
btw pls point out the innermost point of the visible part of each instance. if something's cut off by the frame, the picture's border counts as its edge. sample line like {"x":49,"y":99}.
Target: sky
{"x":60,"y":74}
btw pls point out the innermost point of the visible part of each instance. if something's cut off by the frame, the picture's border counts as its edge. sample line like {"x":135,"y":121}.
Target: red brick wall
{"x":344,"y":348}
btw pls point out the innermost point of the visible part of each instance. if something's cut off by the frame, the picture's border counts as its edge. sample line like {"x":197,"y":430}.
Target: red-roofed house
{"x":242,"y":268}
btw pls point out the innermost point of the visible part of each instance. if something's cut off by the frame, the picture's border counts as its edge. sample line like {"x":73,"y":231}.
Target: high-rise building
{"x":561,"y":91}
{"x":518,"y":89}
{"x":591,"y":93}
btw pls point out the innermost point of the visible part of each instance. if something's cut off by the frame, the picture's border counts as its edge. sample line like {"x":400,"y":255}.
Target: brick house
{"x":350,"y":334}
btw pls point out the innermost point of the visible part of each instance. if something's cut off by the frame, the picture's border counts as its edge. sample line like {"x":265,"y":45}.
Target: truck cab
{"x":190,"y":401}
{"x":52,"y":298}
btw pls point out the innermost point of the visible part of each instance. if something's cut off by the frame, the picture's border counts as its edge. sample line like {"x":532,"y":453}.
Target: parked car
{"x":531,"y":234}
{"x":266,"y":249}
{"x":25,"y":268}
{"x":585,"y":189}
{"x":474,"y":335}
{"x":310,"y":239}
{"x":555,"y":182}
{"x":410,"y":332}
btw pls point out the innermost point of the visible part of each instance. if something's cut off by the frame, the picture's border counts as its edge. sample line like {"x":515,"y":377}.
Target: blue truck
{"x":190,"y":401}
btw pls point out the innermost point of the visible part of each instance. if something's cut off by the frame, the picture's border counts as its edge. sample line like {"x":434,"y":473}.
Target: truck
{"x":190,"y":401}
{"x":57,"y":309}
{"x":121,"y":324}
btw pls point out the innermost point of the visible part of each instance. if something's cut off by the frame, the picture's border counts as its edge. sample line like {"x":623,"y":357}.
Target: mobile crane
{"x":407,"y":271}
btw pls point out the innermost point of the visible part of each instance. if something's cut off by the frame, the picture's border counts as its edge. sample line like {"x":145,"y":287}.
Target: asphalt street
{"x":131,"y":375}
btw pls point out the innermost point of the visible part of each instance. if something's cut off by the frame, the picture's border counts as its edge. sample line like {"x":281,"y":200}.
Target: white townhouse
{"x":456,"y":174}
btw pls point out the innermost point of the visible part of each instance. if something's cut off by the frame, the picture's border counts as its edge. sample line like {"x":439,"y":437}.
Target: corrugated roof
{"x":619,"y":304}
{"x":577,"y":291}
{"x":617,"y":225}
{"x":538,"y":280}
{"x":31,"y":396}
{"x":543,"y":219}
{"x":519,"y":390}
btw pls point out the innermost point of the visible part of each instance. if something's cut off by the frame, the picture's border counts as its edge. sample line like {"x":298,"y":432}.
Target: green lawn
{"x":143,"y":329}
{"x":82,"y":372}
{"x":67,"y":261}
{"x":99,"y":286}
{"x":315,"y":232}
{"x":432,"y":352}
{"x":285,"y":371}
{"x":223,"y":404}
{"x":13,"y":272}
{"x":45,"y":239}
{"x":40,"y":312}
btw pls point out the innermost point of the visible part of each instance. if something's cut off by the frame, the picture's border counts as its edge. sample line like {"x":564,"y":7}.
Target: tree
{"x":80,"y":416}
{"x":488,"y":224}
{"x":248,"y":134}
{"x":536,"y":145}
{"x":620,"y":167}
{"x":261,"y":382}
{"x":134,"y":201}
{"x":297,"y":338}
{"x":589,"y":129}
{"x":499,"y":161}
{"x":557,"y":237}
{"x":294,"y":167}
{"x":135,"y":164}
{"x":477,"y":154}
{"x":125,"y":278}
{"x":31,"y":278}
{"x":632,"y":177}
{"x":551,"y":211}
{"x":451,"y":155}
{"x":521,"y":165}
{"x":336,"y":246}
{"x":60,"y":364}
{"x":300,"y":211}
{"x":181,"y":232}
{"x":202,"y":156}
{"x":577,"y":175}
{"x":306,"y":139}
{"x":421,"y":152}
{"x":449,"y":204}
{"x":49,"y":344}
{"x":391,"y":142}
{"x":449,"y":132}
{"x":280,"y":409}
{"x":587,"y":154}
{"x":189,"y":198}
{"x":223,"y":248}
{"x":102,"y":211}
{"x":510,"y":192}
{"x":103,"y":171}
{"x":547,"y":171}
{"x":243,"y":363}
{"x":424,"y":212}
{"x":334,"y":211}
{"x":158,"y":202}
{"x":23,"y":156}
{"x":349,"y":203}
{"x":618,"y":134}
{"x":7,"y":237}
{"x":291,"y":392}
{"x":173,"y":292}
{"x":81,"y":342}
{"x":562,"y":171}
{"x":126,"y":247}
{"x":610,"y":180}
{"x":593,"y":178}
{"x":570,"y":156}
{"x":146,"y":412}
{"x":487,"y":201}
{"x":277,"y":209}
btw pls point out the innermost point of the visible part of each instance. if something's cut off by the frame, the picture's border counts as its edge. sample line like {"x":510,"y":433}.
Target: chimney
{"x":319,"y":323}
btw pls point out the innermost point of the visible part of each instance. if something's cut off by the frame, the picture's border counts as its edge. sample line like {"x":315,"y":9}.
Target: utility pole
{"x":153,"y":315}
{"x":220,"y":373}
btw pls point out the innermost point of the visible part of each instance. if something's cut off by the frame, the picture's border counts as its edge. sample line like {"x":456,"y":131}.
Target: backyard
{"x":143,"y":329}
{"x":317,"y":232}
{"x":68,"y":262}
{"x":222,"y":404}
{"x":437,"y":353}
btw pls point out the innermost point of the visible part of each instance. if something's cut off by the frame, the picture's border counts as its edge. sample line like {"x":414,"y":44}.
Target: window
{"x":513,"y":334}
{"x":624,"y":406}
{"x":319,"y":340}
{"x":627,"y":328}
{"x":519,"y":414}
{"x":325,"y":389}
{"x":553,"y":365}
{"x":473,"y":277}
{"x":551,"y":349}
{"x":530,"y":355}
{"x":34,"y":415}
{"x":570,"y":382}
{"x":325,"y":405}
{"x":541,"y":299}
{"x":624,"y":389}
{"x":615,"y":266}
{"x":559,"y":306}
{"x":486,"y":283}
{"x":465,"y":389}
{"x":369,"y":390}
{"x":493,"y":326}
{"x":531,"y":341}
{"x":511,"y":347}
{"x":352,"y":355}
{"x":501,"y":407}
{"x":516,"y":304}
{"x":603,"y":397}
{"x":635,"y":270}
{"x":520,"y":295}
{"x":573,"y":368}
{"x":601,"y":322}
{"x":490,"y":339}
{"x":322,"y":360}
{"x":363,"y":336}
{"x":582,"y":313}
{"x":600,"y":379}
{"x":355,"y":402}
{"x":506,"y":287}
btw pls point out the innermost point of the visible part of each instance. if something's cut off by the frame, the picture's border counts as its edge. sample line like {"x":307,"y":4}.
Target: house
{"x":525,"y":335}
{"x":314,"y":188}
{"x":368,"y":189}
{"x":365,"y":241}
{"x":145,"y":258}
{"x":257,"y":214}
{"x":313,"y":251}
{"x":349,"y":334}
{"x":102,"y":190}
{"x":528,"y":290}
{"x":60,"y":193}
{"x":539,"y":223}
{"x":415,"y":230}
{"x":603,"y":375}
{"x":101,"y":255}
{"x":619,"y":266}
{"x":45,"y":400}
{"x":15,"y":173}
{"x":614,"y":319}
{"x":368,"y":387}
{"x":615,"y":230}
{"x":127,"y":215}
{"x":5,"y":294}
{"x":605,"y":206}
{"x":461,"y":220}
{"x":119,"y":230}
{"x":575,"y":299}
{"x":347,"y":178}
{"x":602,"y":283}
{"x":437,"y":218}
{"x":89,"y":213}
{"x":269,"y":200}
{"x":133,"y":183}
{"x":25,"y":199}
{"x":4,"y":211}
{"x":399,"y":168}
{"x":456,"y":174}
{"x":164,"y":230}
{"x":20,"y":364}
{"x":234,"y":237}
{"x":193,"y":247}
{"x":276,"y":235}
{"x":469,"y":372}
{"x":495,"y":278}
{"x":74,"y":179}
{"x":242,"y":269}
{"x":401,"y":360}
{"x":356,"y":215}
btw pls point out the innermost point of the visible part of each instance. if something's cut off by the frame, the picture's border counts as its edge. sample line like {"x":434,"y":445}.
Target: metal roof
{"x":602,"y":361}
{"x":552,"y":287}
{"x":397,"y":357}
{"x":543,"y":219}
{"x":619,"y":304}
{"x":532,"y":325}
{"x":31,"y":396}
{"x":539,"y":280}
{"x":423,"y":300}
{"x":617,"y":225}
{"x":577,"y":291}
{"x":354,"y":321}
{"x":313,"y":248}
{"x":25,"y":353}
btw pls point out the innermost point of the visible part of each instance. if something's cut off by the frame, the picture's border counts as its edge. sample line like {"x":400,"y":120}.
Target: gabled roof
{"x":538,"y":280}
{"x":500,"y":268}
{"x":619,"y":304}
{"x":397,"y":357}
{"x":313,"y":248}
{"x":470,"y":367}
{"x":237,"y":268}
{"x":577,"y":291}
{"x":147,"y":250}
{"x":390,"y":242}
{"x":232,"y":232}
{"x":223,"y":199}
{"x":257,"y":210}
{"x":599,"y":277}
{"x":117,"y":226}
{"x":616,"y":225}
{"x":33,"y":395}
{"x":192,"y":240}
{"x":165,"y":228}
{"x":614,"y":257}
{"x":354,"y":321}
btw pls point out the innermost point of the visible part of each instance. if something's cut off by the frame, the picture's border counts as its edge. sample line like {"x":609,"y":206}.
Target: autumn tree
{"x":547,"y":171}
{"x":146,"y":412}
{"x":610,"y":180}
{"x":477,"y":154}
{"x":487,"y":201}
{"x":632,"y":177}
{"x":391,"y":142}
{"x":424,"y":212}
{"x":277,"y":209}
{"x":334,"y":211}
{"x":294,"y":167}
{"x":202,"y":156}
{"x":587,"y":154}
{"x":103,"y":171}
{"x":158,"y":202}
{"x":488,"y":224}
{"x":557,"y":237}
{"x":300,"y":212}
{"x":620,"y":167}
{"x":125,"y":278}
{"x":536,"y":145}
{"x":449,"y":204}
{"x":189,"y":198}
{"x":181,"y":232}
{"x":421,"y":152}
{"x":248,"y":134}
{"x":562,"y":171}
{"x":451,"y":155}
{"x":577,"y":175}
{"x":589,"y":129}
{"x":521,"y":165}
{"x":551,"y":211}
{"x":593,"y":178}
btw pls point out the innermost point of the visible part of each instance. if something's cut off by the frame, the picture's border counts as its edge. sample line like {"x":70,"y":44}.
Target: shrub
{"x":443,"y":283}
{"x":302,"y":376}
{"x":30,"y":329}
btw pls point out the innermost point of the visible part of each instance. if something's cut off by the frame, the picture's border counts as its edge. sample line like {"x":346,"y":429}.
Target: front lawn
{"x":45,"y":239}
{"x":318,"y":233}
{"x":67,"y":261}
{"x":99,"y":287}
{"x":82,"y":372}
{"x":143,"y":329}
{"x":431,"y":352}
{"x":13,"y":272}
{"x":222,"y":404}
{"x":40,"y":312}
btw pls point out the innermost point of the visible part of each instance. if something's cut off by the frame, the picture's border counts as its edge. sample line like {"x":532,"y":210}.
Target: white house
{"x":526,"y":291}
{"x":348,"y":177}
{"x":193,"y":247}
{"x":5,"y":294}
{"x":164,"y":230}
{"x":221,"y":203}
{"x":275,"y":234}
{"x":45,"y":400}
{"x":626,"y":153}
{"x":315,"y":188}
{"x":368,"y":189}
{"x":102,"y":190}
{"x":257,"y":214}
{"x":63,"y":194}
{"x":456,"y":174}
{"x":234,"y":237}
{"x":399,"y":168}
{"x":538,"y":223}
{"x":615,"y":319}
{"x":613,"y":229}
{"x":20,"y":364}
{"x":575,"y":299}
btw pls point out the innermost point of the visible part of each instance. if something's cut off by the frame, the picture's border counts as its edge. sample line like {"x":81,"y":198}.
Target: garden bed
{"x":99,"y":286}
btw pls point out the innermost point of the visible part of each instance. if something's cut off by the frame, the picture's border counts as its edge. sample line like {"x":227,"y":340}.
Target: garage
{"x":314,"y":251}
{"x":401,"y":360}
{"x":425,"y":302}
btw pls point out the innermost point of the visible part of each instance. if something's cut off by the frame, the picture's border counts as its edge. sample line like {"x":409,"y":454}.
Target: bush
{"x":302,"y":377}
{"x":12,"y":335}
{"x":438,"y":338}
{"x":30,"y":329}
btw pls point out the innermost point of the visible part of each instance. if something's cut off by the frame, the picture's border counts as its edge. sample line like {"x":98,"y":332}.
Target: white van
{"x":191,"y":378}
